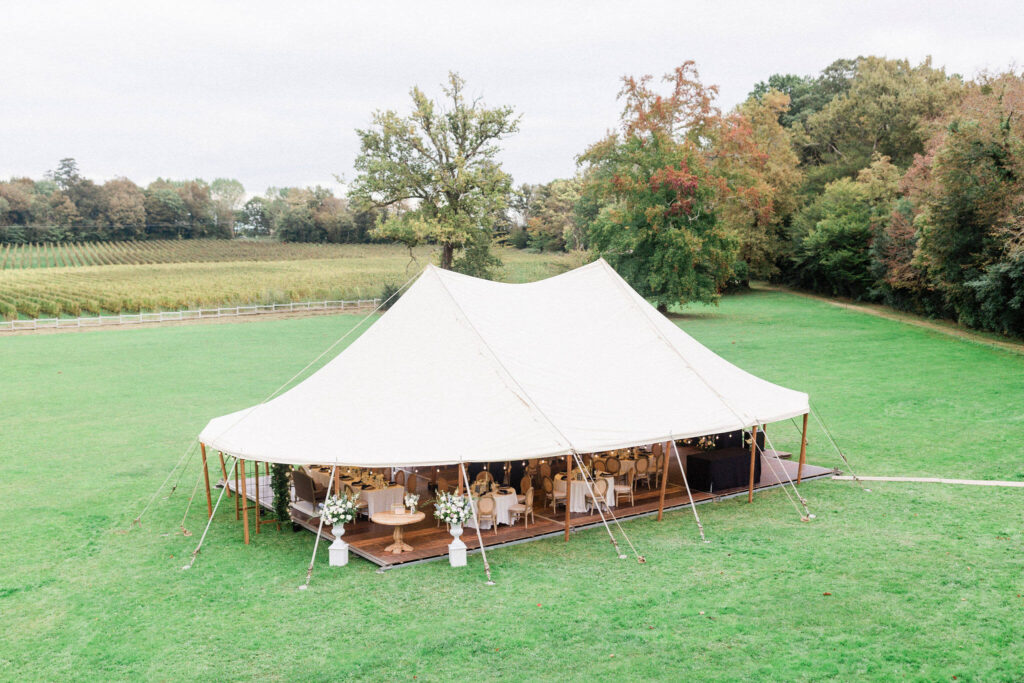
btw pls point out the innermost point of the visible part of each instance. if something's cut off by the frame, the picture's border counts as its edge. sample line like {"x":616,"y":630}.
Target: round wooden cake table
{"x":398,"y":521}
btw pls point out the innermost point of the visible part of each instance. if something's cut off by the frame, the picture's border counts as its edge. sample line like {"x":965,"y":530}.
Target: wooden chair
{"x":484,"y":475}
{"x":625,"y":489}
{"x":524,"y":509}
{"x":400,"y":478}
{"x":599,"y":464}
{"x":659,"y":467}
{"x":643,"y":471}
{"x":545,"y":470}
{"x":551,"y":497}
{"x":486,"y":510}
{"x":598,"y":496}
{"x":306,"y":501}
{"x":612,"y":466}
{"x":525,"y":484}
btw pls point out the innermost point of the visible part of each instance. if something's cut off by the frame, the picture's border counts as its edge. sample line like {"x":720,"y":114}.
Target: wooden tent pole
{"x":256,"y":509}
{"x":664,"y":480}
{"x":224,"y":473}
{"x":803,"y":452}
{"x":568,"y":492}
{"x":461,"y":475}
{"x":206,"y":476}
{"x":238,"y":487}
{"x":753,"y":454}
{"x":245,"y":504}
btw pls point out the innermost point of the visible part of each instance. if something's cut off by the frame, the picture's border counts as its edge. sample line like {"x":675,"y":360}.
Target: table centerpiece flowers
{"x":411,"y":500}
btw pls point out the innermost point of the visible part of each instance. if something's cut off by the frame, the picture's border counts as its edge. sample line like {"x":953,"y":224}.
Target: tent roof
{"x":468,"y":370}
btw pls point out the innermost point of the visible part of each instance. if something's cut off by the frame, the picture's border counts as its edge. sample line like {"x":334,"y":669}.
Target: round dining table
{"x":399,"y":521}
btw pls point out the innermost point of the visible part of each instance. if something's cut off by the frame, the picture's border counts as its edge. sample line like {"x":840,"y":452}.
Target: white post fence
{"x":190,"y":314}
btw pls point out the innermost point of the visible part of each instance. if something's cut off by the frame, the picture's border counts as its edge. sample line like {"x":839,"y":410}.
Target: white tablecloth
{"x":381,"y":500}
{"x":578,"y":499}
{"x":377,"y":500}
{"x":502,"y":502}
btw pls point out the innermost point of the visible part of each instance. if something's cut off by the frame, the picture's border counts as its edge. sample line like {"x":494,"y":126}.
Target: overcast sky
{"x":270,"y":93}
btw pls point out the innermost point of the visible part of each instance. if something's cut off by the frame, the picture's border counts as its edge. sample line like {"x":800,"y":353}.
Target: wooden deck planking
{"x":429,"y":541}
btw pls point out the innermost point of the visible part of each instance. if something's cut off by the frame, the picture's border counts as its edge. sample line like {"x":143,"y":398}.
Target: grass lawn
{"x":925,"y":581}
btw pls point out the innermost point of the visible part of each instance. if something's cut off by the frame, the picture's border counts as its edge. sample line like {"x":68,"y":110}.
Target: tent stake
{"x":803,"y":453}
{"x":664,"y":480}
{"x":206,"y":476}
{"x":753,"y":454}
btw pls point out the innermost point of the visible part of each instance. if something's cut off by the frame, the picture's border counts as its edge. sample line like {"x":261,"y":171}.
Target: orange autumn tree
{"x":680,"y":190}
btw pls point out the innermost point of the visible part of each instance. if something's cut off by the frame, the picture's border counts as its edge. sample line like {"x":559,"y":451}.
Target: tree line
{"x":875,"y":179}
{"x":64,"y":206}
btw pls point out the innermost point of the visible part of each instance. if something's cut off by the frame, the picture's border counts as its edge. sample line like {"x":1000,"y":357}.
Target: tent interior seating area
{"x":505,"y":524}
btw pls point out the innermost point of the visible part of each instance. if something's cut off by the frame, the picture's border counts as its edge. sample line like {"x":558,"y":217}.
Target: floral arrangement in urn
{"x":452,"y":509}
{"x":340,"y":509}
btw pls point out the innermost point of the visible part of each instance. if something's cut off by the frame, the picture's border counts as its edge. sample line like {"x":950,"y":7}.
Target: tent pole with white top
{"x":568,"y":493}
{"x":803,"y":453}
{"x":319,"y":530}
{"x":753,"y":454}
{"x":476,"y":521}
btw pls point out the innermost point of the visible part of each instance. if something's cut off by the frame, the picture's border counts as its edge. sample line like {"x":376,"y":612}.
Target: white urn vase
{"x":338,"y":550}
{"x":456,"y":549}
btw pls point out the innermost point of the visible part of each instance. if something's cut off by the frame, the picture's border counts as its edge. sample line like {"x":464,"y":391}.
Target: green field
{"x":924,"y":581}
{"x":210,"y":273}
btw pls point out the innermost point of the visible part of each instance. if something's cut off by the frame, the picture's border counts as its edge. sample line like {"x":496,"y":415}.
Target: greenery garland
{"x":282,"y":495}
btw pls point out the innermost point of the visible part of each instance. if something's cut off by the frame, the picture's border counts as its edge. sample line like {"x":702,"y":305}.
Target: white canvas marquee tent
{"x":467,"y":370}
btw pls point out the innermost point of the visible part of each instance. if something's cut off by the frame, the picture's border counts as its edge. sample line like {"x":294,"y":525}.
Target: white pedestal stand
{"x":456,"y":549}
{"x":338,"y":551}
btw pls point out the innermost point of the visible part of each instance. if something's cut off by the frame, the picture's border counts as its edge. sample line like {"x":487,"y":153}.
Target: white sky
{"x":270,"y":93}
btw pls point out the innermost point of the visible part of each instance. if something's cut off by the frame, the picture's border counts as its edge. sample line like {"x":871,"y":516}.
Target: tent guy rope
{"x":587,"y":479}
{"x":476,"y":521}
{"x":319,"y":530}
{"x":195,"y":553}
{"x":836,"y":446}
{"x":700,"y":527}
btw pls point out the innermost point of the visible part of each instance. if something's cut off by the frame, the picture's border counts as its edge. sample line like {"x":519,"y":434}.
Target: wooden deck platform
{"x":430,"y":542}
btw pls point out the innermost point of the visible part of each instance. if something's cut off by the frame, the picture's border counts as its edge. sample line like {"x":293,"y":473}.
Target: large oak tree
{"x":440,"y":165}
